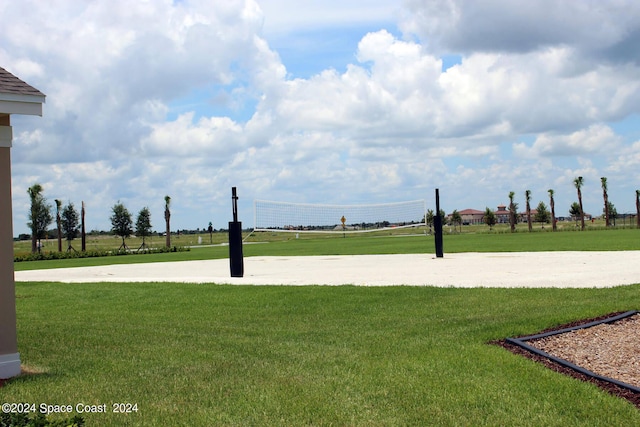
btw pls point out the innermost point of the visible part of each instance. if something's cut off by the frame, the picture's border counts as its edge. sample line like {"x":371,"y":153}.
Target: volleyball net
{"x":324,"y":218}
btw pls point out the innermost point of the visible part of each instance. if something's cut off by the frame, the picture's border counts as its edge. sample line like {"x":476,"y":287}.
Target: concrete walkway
{"x":521,"y":269}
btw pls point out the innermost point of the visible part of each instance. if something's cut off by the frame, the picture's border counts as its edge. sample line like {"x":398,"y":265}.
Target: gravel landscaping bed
{"x":611,"y":350}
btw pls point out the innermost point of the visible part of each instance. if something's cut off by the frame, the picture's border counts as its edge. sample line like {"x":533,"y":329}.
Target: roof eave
{"x":21,"y":104}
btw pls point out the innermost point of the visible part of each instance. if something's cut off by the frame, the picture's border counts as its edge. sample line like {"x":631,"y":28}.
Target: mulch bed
{"x":613,"y":389}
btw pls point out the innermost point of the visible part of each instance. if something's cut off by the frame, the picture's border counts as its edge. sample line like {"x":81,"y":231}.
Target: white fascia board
{"x":21,"y":97}
{"x":21,"y":107}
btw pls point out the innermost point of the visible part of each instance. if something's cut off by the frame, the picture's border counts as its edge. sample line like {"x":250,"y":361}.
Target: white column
{"x":9,"y":356}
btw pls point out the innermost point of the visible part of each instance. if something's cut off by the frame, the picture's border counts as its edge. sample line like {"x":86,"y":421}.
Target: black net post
{"x":236,"y":261}
{"x":437,"y":224}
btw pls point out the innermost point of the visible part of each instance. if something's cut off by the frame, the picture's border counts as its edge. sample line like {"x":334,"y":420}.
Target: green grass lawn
{"x":386,"y":243}
{"x":202,"y":355}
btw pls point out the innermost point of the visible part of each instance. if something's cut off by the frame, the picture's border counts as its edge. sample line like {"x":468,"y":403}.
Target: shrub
{"x":39,"y":420}
{"x":41,"y":256}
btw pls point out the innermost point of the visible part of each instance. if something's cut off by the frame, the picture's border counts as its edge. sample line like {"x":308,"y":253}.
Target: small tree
{"x":70,"y":224}
{"x":489,"y":218}
{"x":428,"y":219}
{"x":542,"y":214}
{"x":143,"y":226}
{"x":611,"y":212}
{"x":575,"y":212}
{"x":578,"y":183}
{"x":121,"y":223}
{"x":39,"y":216}
{"x":456,"y":219}
{"x":210,"y":230}
{"x":167,"y":220}
{"x":552,"y":204}
{"x":513,"y":212}
{"x":443,"y":216}
{"x":527,"y":195}
{"x":58,"y":224}
{"x":638,"y":208}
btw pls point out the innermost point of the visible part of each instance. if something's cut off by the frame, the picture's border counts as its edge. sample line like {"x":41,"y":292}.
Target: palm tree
{"x":552,"y":204}
{"x":578,"y":183}
{"x":59,"y":223}
{"x":603,"y":180}
{"x":527,"y":195}
{"x":513,"y":207}
{"x":83,"y":233}
{"x":167,"y":218}
{"x":638,"y":208}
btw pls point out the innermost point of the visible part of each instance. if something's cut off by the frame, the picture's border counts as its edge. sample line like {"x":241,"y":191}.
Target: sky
{"x":323,"y":101}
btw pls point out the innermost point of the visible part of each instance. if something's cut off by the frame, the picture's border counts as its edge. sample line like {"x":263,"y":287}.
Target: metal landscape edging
{"x":520,"y":342}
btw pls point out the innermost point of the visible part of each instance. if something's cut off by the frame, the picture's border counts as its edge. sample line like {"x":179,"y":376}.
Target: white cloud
{"x":627,"y":161}
{"x":214,"y":137}
{"x":596,"y":139}
{"x":287,"y":16}
{"x":519,"y":26}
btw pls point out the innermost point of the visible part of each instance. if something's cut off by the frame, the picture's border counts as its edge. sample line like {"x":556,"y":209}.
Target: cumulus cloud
{"x":522,"y":26}
{"x":627,"y":162}
{"x":291,"y":16}
{"x":214,"y":137}
{"x":596,"y":139}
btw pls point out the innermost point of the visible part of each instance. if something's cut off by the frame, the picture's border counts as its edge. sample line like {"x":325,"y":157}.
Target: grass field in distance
{"x":401,"y":241}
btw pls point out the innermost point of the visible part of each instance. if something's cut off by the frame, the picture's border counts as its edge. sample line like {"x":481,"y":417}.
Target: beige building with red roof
{"x":502,"y":215}
{"x":474,"y":216}
{"x":471,"y":216}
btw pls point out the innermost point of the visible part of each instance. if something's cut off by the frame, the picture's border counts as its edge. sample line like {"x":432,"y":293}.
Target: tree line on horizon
{"x":69,"y":223}
{"x":543,"y":215}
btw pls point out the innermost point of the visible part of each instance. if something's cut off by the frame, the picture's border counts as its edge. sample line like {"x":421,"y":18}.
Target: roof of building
{"x":470,"y":212}
{"x":10,"y":84}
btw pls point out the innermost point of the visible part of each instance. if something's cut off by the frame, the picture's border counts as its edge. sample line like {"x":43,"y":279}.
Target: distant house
{"x":522,"y":216}
{"x":474,"y":216}
{"x":471,"y":216}
{"x":502,"y":215}
{"x":587,"y":217}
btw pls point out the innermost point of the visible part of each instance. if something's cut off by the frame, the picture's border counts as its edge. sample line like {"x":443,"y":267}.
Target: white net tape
{"x":301,"y":217}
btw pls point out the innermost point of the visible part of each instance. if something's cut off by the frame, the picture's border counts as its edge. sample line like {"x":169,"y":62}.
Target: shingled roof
{"x":10,"y":84}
